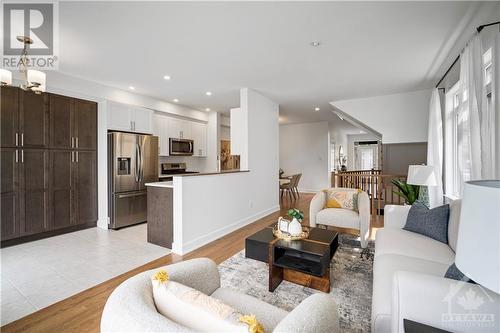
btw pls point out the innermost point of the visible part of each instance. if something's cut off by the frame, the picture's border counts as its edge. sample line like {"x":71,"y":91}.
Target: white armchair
{"x":341,"y":217}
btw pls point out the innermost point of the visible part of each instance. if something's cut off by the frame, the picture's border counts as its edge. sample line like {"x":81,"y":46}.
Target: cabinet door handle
{"x":22,"y":139}
{"x":76,"y":142}
{"x":17,"y":156}
{"x":72,"y":155}
{"x":22,"y":155}
{"x":17,"y":139}
{"x":76,"y":157}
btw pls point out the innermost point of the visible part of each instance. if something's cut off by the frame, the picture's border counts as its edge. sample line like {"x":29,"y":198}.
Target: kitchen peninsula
{"x":163,"y":198}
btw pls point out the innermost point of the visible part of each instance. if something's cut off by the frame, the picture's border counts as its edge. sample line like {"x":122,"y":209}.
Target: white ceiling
{"x":367,"y":49}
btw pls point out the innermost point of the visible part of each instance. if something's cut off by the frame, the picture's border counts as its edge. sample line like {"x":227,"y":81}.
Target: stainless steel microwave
{"x":181,"y":147}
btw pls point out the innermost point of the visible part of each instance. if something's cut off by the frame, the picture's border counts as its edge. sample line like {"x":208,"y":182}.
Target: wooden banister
{"x":378,"y":186}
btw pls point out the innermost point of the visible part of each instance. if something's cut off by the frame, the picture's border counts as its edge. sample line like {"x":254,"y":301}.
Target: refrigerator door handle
{"x":137,"y":166}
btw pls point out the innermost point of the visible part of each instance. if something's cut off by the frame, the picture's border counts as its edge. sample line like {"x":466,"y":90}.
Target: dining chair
{"x":289,"y":187}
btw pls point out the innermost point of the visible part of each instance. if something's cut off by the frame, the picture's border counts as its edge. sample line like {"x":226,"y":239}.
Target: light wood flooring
{"x":82,"y":312}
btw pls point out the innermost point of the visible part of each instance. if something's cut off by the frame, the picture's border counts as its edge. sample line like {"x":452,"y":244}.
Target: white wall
{"x":399,"y":117}
{"x":208,"y":207}
{"x":304,"y":148}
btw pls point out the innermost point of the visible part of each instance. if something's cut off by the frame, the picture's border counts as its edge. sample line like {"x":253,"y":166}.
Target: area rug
{"x":351,"y":278}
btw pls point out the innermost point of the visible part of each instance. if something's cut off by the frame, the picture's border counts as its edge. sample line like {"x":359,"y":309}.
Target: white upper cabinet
{"x":160,"y":129}
{"x":142,"y":119}
{"x":179,"y":128}
{"x":123,"y":117}
{"x":199,"y":135}
{"x":119,"y":116}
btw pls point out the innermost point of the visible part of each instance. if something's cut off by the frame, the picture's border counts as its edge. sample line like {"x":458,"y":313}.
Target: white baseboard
{"x":216,"y":234}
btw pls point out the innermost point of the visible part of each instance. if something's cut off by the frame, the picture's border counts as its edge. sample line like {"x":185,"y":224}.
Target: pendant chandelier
{"x":33,"y":80}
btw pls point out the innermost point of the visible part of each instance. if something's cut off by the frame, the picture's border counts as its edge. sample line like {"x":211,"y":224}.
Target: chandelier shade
{"x":5,"y":77}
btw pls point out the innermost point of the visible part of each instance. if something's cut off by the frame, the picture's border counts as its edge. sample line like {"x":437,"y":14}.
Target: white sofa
{"x":340,"y":217}
{"x":131,"y":308}
{"x":409,"y":283}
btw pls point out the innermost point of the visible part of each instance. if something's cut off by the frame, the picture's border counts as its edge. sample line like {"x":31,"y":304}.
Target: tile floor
{"x":37,"y":274}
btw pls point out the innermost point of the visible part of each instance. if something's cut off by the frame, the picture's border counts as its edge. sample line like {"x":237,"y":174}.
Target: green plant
{"x":406,"y":191}
{"x":295,"y":213}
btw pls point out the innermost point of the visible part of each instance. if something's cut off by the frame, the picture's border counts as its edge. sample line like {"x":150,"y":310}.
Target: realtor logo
{"x":36,"y":20}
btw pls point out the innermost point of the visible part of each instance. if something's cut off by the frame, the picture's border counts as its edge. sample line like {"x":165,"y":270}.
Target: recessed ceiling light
{"x":131,"y":88}
{"x":315,"y":43}
{"x":207,"y":109}
{"x":316,"y":109}
{"x":208,"y":93}
{"x":176,"y":100}
{"x":167,"y":77}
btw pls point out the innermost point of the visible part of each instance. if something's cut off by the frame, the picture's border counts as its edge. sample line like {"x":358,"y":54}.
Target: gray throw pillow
{"x":454,"y":273}
{"x":432,"y":223}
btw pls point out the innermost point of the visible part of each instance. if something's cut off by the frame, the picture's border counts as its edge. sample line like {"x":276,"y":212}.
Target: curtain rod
{"x":479,"y":29}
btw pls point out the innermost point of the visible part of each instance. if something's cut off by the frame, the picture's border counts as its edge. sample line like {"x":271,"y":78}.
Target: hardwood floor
{"x":82,"y":312}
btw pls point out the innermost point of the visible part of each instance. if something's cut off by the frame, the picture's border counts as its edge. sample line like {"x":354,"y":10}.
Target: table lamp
{"x":422,"y":175}
{"x":478,"y":245}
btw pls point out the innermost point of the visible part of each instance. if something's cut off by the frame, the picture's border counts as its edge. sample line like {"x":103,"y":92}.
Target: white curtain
{"x":494,"y":112}
{"x":469,"y":124}
{"x":435,"y":149}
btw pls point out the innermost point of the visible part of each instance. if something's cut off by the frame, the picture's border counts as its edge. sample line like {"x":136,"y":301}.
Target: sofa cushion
{"x":269,"y":316}
{"x":384,"y":268}
{"x":407,"y":243}
{"x":192,"y":308}
{"x":455,"y":206}
{"x":339,"y":217}
{"x":429,"y":222}
{"x":342,"y":198}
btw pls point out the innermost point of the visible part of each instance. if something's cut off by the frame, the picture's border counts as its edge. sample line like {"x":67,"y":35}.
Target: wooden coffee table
{"x":305,"y":262}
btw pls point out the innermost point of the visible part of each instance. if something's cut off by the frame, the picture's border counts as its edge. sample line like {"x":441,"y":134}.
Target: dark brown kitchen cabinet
{"x":9,"y":116}
{"x":61,"y":189}
{"x":33,"y":167}
{"x":24,"y":192}
{"x":24,"y":117}
{"x":9,"y":193}
{"x":85,"y":125}
{"x":61,"y":121}
{"x":33,"y":120}
{"x":48,"y":165}
{"x":73,"y":123}
{"x":85,"y":176}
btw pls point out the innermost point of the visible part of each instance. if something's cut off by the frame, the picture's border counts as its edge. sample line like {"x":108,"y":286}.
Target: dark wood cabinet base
{"x":52,"y":233}
{"x":160,"y":216}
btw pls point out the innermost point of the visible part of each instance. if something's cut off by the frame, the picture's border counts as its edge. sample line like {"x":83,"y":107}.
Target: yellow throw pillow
{"x":198,"y":311}
{"x":342,"y":198}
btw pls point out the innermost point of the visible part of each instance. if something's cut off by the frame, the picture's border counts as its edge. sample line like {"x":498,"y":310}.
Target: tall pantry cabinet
{"x":48,"y":165}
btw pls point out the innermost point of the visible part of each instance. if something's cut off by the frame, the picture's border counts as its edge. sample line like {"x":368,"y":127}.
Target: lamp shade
{"x":5,"y":77}
{"x":36,"y":78}
{"x":478,"y":246}
{"x":421,"y":175}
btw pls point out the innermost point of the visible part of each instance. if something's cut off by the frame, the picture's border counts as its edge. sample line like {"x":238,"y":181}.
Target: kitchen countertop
{"x":212,"y":173}
{"x":161,"y":184}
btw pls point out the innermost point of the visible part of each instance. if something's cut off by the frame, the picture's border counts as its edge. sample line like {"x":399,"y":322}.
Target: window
{"x":457,"y":132}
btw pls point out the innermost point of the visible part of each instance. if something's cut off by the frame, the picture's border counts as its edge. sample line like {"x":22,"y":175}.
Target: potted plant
{"x":295,"y":228}
{"x":407,"y":191}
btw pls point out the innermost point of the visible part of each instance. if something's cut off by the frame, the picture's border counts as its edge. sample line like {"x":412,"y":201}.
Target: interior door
{"x":149,"y":159}
{"x":33,"y":120}
{"x":9,"y":116}
{"x":9,"y":193}
{"x":34,"y":191}
{"x":85,"y":124}
{"x":125,"y":169}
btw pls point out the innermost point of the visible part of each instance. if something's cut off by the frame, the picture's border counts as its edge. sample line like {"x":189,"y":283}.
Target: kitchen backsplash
{"x":192,"y":163}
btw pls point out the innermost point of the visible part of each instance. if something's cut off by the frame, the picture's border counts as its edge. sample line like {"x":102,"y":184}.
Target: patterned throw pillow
{"x":342,"y":198}
{"x":198,"y":311}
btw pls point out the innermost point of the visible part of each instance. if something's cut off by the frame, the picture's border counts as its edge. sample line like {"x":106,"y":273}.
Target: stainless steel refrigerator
{"x":132,"y":162}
